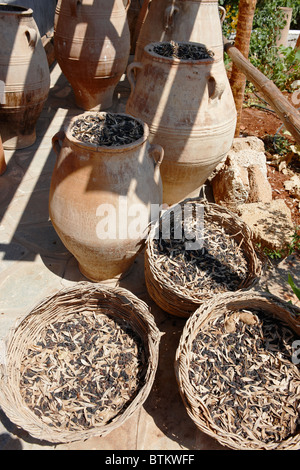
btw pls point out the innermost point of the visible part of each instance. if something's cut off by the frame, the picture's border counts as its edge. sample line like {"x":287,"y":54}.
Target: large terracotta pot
{"x":132,"y":16}
{"x":92,"y":45}
{"x":189,"y":108}
{"x":101,"y":200}
{"x":183,"y":20}
{"x":24,"y":76}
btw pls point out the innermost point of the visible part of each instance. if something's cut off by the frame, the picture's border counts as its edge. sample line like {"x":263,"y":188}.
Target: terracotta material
{"x":93,"y":185}
{"x":132,"y":16}
{"x":183,"y":20}
{"x":24,"y":76}
{"x":92,"y":45}
{"x":2,"y":158}
{"x":189,"y":108}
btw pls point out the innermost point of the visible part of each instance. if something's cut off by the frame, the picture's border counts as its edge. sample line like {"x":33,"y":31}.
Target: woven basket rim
{"x":157,"y":280}
{"x":195,"y":408}
{"x":10,"y":398}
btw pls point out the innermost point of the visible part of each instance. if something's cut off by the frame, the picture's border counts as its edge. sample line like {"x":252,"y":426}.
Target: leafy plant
{"x":281,"y":144}
{"x":276,"y":254}
{"x":273,"y":254}
{"x":230,"y":22}
{"x":295,"y":289}
{"x":295,"y":242}
{"x":279,"y":64}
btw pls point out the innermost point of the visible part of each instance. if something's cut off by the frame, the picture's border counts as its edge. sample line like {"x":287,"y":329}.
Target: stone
{"x":248,"y":143}
{"x":270,"y":222}
{"x":242,"y":177}
{"x":260,"y":188}
{"x":247,"y":152}
{"x":251,"y":151}
{"x":295,"y":192}
{"x":230,"y":186}
{"x":293,"y":186}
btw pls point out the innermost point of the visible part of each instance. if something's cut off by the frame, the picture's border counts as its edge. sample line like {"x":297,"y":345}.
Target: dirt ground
{"x":265,"y":124}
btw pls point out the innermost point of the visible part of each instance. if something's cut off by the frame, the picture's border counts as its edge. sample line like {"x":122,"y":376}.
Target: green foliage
{"x":276,"y":254}
{"x":295,"y":4}
{"x":281,"y":65}
{"x":281,"y":144}
{"x":296,"y":289}
{"x":295,"y":242}
{"x":273,"y":254}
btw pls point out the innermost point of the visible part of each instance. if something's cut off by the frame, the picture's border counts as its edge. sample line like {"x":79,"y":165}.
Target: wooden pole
{"x":288,"y":114}
{"x":242,"y":43}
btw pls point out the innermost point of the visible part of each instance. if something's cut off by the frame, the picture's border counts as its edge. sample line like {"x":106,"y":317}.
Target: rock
{"x":248,"y":151}
{"x":296,"y":192}
{"x":293,"y":186}
{"x":248,"y":143}
{"x":282,"y":167}
{"x":230,"y":185}
{"x":260,"y":188}
{"x":242,"y":176}
{"x":270,"y":222}
{"x":246,"y":147}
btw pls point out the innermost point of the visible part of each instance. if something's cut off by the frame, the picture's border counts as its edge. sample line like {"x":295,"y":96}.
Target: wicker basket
{"x":274,"y":308}
{"x":166,"y":293}
{"x":84,"y":296}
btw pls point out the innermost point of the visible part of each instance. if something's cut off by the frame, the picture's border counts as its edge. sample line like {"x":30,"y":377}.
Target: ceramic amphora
{"x":24,"y":76}
{"x":183,"y":20}
{"x":102,"y":200}
{"x":189,"y":108}
{"x":92,"y":45}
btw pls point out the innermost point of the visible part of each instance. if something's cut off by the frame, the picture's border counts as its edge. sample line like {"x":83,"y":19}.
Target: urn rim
{"x":106,"y":148}
{"x":149,"y":49}
{"x":16,"y":10}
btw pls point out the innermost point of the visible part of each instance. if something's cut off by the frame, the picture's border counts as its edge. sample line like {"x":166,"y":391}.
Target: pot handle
{"x":155,"y":149}
{"x":73,"y":6}
{"x":215,"y":89}
{"x":128,"y":5}
{"x":55,"y":141}
{"x":31,"y":36}
{"x":130,"y":73}
{"x":223,"y":15}
{"x":169,"y":16}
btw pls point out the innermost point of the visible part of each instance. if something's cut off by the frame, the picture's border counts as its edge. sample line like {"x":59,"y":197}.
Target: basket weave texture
{"x":84,"y":296}
{"x":166,"y":293}
{"x":195,"y":407}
